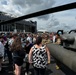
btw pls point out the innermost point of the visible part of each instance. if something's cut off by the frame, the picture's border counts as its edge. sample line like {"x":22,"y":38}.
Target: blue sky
{"x":61,"y":20}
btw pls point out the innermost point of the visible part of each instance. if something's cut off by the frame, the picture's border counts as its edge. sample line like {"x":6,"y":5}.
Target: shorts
{"x":18,"y":61}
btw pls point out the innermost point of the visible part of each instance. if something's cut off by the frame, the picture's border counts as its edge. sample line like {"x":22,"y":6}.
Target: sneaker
{"x":57,"y":67}
{"x":25,"y":73}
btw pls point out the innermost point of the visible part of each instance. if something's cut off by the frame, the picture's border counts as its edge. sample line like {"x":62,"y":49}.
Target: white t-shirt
{"x":29,"y":39}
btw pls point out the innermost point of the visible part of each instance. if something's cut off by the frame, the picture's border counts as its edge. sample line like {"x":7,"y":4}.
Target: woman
{"x":40,"y":57}
{"x":18,"y":55}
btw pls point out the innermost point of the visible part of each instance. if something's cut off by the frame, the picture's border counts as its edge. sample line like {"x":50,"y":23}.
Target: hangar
{"x":19,"y":26}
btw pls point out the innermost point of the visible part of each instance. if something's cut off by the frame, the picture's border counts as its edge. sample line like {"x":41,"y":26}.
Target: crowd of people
{"x":27,"y":48}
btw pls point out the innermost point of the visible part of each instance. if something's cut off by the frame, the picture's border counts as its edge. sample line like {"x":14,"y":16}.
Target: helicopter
{"x":68,"y":39}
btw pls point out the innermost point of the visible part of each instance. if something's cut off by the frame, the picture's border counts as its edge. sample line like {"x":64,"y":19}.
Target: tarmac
{"x":51,"y":69}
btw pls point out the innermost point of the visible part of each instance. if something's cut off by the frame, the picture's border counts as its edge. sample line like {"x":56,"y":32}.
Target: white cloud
{"x":24,"y":7}
{"x":30,"y":6}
